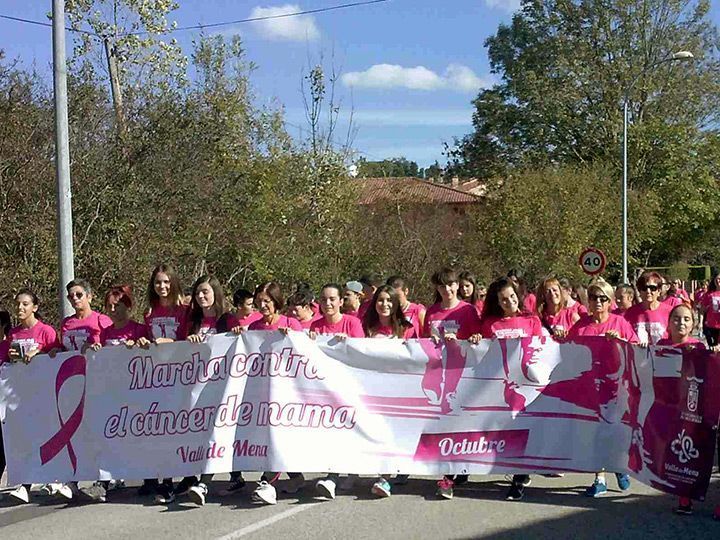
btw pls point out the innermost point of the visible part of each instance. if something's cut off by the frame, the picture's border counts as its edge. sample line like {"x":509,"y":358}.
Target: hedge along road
{"x":553,"y":508}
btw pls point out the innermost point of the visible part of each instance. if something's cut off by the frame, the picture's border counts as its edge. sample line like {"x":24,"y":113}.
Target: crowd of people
{"x":653,"y":311}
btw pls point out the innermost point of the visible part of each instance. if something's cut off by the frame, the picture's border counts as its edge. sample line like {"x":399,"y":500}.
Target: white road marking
{"x":265,"y":522}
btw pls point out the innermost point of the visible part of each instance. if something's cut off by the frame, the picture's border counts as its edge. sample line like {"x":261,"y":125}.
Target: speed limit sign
{"x":592,"y":261}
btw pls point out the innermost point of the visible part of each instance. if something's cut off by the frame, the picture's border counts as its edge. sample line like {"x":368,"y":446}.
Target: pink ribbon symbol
{"x":75,"y":365}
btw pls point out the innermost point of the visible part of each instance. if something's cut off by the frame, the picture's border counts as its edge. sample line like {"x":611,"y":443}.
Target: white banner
{"x":266,"y":401}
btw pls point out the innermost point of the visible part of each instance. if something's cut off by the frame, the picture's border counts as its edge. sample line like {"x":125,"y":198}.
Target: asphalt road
{"x":552,"y":508}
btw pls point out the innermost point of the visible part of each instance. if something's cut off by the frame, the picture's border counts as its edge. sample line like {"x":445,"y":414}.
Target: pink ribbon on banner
{"x":75,"y":365}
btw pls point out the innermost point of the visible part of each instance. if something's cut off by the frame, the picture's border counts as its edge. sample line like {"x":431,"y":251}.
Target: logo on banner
{"x":693,"y":393}
{"x":693,"y":398}
{"x":75,"y":365}
{"x":684,"y":448}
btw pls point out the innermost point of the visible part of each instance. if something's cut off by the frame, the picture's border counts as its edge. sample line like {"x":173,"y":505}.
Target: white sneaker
{"x":347,"y":483}
{"x":21,"y":494}
{"x":197,"y":494}
{"x":50,"y":489}
{"x":326,"y":488}
{"x":65,"y":491}
{"x":265,"y":493}
{"x":293,"y":485}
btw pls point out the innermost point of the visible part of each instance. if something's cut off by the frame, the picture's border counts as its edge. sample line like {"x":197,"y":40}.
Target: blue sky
{"x":410,"y":68}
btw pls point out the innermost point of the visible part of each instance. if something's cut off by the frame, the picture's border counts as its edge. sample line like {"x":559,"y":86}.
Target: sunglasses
{"x":651,"y":288}
{"x":76,"y":295}
{"x":595,"y":297}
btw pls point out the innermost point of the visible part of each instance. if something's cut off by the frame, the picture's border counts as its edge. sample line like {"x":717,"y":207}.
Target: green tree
{"x":387,"y":168}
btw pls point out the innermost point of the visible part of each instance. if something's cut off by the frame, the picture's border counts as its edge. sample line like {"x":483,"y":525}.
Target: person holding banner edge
{"x":22,"y":342}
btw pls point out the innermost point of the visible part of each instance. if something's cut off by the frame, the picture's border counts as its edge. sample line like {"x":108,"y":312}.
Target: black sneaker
{"x":516,"y":492}
{"x":149,"y":487}
{"x":165,"y":494}
{"x":461,"y":479}
{"x":236,"y":484}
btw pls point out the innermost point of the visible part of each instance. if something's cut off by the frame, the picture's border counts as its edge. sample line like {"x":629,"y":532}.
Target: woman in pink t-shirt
{"x":601,"y":322}
{"x":166,"y":318}
{"x":123,"y":331}
{"x":414,"y":313}
{"x":209,"y":315}
{"x":29,"y":338}
{"x":385,"y":317}
{"x":503,"y":316}
{"x":468,"y":290}
{"x":556,"y":317}
{"x":680,"y":327}
{"x":710,"y":307}
{"x":649,"y":318}
{"x":270,"y":303}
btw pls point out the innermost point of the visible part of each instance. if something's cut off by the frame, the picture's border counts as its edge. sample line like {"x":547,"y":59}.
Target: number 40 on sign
{"x":592,"y":261}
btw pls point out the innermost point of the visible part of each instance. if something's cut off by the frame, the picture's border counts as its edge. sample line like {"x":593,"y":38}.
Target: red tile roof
{"x":414,"y":190}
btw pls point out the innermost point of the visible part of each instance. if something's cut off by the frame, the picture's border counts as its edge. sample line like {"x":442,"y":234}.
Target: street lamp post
{"x":680,"y":55}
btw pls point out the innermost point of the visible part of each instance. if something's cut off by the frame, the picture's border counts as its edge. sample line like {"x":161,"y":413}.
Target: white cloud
{"x":298,"y":28}
{"x":456,"y":77}
{"x":505,"y":5}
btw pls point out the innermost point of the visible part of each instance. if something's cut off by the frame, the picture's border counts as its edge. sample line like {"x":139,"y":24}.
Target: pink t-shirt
{"x":132,"y":331}
{"x":350,"y":326}
{"x":305,"y":325}
{"x":587,"y":327}
{"x":42,"y":337}
{"x":578,"y":308}
{"x":167,"y":322}
{"x":412,"y":315}
{"x":74,"y":332}
{"x":690,"y":342}
{"x":530,"y":303}
{"x":462,"y":320}
{"x":209,"y":326}
{"x":245,"y":322}
{"x":479,"y":305}
{"x":672,"y":301}
{"x":649,"y":325}
{"x":387,"y":332}
{"x":711,"y":303}
{"x":511,"y":327}
{"x":562,"y":320}
{"x":283,"y":322}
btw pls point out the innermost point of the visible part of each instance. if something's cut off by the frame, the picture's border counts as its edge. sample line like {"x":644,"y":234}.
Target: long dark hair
{"x":371,"y":320}
{"x":468,"y":276}
{"x":5,"y":322}
{"x":492,"y":307}
{"x":176,"y":292}
{"x":712,"y":287}
{"x":220,"y":307}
